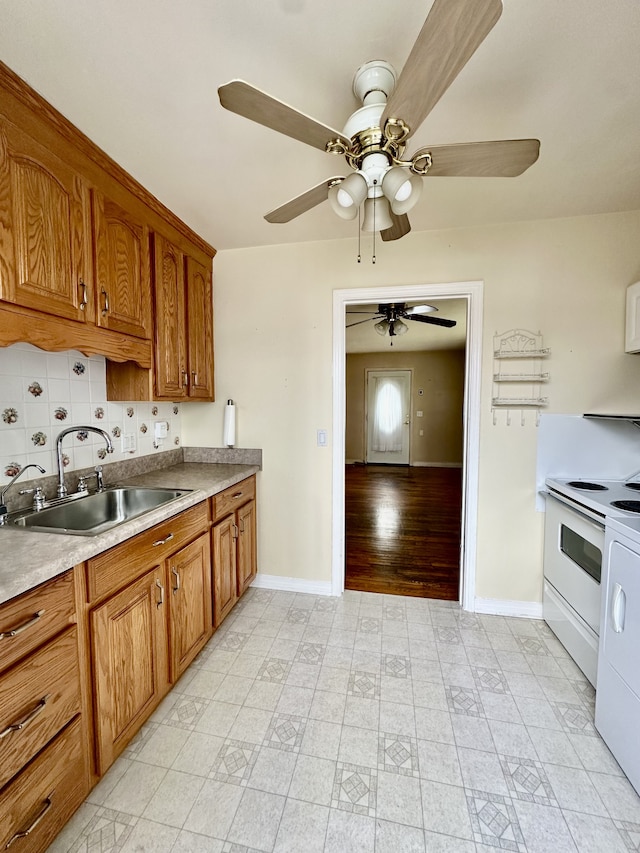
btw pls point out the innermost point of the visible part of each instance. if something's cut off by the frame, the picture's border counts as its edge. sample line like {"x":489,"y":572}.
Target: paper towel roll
{"x":229,"y":432}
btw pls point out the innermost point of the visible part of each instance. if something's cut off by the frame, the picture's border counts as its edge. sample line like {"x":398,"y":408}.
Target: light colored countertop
{"x":29,"y":559}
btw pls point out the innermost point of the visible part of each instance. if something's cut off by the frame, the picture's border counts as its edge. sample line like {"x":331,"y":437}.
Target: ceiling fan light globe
{"x":377,"y":216}
{"x":382,"y":327}
{"x":346,"y":197}
{"x":402,"y":188}
{"x":400,"y":328}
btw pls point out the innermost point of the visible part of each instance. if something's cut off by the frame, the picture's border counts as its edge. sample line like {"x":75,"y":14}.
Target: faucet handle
{"x":39,"y":497}
{"x":82,"y":485}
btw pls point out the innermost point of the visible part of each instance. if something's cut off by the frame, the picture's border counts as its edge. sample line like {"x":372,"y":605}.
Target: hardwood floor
{"x":403,"y":530}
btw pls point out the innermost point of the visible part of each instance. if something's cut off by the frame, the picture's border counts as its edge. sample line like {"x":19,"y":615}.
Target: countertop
{"x":29,"y":559}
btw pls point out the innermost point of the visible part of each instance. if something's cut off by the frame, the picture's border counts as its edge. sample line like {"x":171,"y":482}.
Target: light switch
{"x":322,"y":438}
{"x":419,"y":414}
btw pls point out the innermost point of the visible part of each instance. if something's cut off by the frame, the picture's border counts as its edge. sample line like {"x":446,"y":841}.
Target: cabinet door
{"x":171,"y":377}
{"x":200,"y":330}
{"x":123,"y":276}
{"x":45,"y":235}
{"x":190,"y":606}
{"x":225,"y":592}
{"x":247,"y":556}
{"x":129,"y":647}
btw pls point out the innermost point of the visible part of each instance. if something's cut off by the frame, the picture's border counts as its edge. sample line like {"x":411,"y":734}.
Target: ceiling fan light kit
{"x":391,"y":323}
{"x":374,"y":137}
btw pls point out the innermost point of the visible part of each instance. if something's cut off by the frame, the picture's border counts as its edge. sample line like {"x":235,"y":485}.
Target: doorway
{"x":388,"y":416}
{"x":471,"y":293}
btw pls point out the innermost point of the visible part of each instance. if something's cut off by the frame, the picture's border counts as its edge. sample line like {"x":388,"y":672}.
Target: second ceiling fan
{"x":374,"y":138}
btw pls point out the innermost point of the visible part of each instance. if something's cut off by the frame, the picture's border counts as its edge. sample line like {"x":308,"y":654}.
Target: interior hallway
{"x":366,"y":724}
{"x":402,"y":530}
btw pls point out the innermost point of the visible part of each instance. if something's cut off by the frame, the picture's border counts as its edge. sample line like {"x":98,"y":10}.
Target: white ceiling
{"x":140,"y":78}
{"x":419,"y":337}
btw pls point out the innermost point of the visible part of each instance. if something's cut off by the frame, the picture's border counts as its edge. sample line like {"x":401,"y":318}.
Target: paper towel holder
{"x":229,"y":428}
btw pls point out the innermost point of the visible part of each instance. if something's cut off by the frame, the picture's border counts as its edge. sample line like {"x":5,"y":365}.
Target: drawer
{"x":29,"y":620}
{"x":38,"y":697}
{"x":111,"y":571}
{"x":233,"y":497}
{"x":37,"y":804}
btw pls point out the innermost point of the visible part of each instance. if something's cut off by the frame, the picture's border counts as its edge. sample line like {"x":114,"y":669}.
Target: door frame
{"x":368,"y":371}
{"x":472,"y":292}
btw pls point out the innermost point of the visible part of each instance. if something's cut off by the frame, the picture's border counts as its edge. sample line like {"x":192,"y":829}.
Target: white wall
{"x":273,"y":315}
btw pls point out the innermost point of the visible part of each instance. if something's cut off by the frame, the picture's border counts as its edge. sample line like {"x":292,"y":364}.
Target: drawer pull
{"x":17,"y":727}
{"x":23,"y":833}
{"x":163,"y":541}
{"x":161,"y":588}
{"x":15,"y":631}
{"x":177,"y":577}
{"x":236,"y":495}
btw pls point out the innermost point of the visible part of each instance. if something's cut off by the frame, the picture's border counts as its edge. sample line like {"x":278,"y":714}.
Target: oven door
{"x":573,"y":546}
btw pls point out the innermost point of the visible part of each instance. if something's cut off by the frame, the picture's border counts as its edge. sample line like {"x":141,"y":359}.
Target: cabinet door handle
{"x":235,"y":531}
{"x":161,"y":588}
{"x":15,"y":631}
{"x":185,"y":378}
{"x":195,"y":377}
{"x":23,"y":833}
{"x":84,"y":300}
{"x":618,"y":608}
{"x":105,"y":301}
{"x":174,"y":572}
{"x":24,"y":722}
{"x":163,"y":541}
{"x":242,"y":525}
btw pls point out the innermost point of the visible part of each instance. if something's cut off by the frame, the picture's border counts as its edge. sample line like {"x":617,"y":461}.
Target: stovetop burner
{"x":629,"y":506}
{"x":592,"y":487}
{"x":635,"y":486}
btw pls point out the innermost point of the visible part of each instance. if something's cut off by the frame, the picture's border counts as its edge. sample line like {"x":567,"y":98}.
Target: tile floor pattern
{"x":367,"y":724}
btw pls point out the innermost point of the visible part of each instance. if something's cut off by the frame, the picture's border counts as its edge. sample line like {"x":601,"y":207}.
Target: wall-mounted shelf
{"x":509,"y":350}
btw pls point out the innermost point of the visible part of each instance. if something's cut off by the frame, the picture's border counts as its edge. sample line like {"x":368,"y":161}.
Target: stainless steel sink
{"x":98,"y":512}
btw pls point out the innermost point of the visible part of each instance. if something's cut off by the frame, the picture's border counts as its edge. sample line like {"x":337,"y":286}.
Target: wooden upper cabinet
{"x":122,"y":269}
{"x":183,"y":302}
{"x":199,"y":329}
{"x":171,"y":377}
{"x":45,"y":254}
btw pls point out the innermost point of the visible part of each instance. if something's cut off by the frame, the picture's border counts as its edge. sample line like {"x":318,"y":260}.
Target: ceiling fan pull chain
{"x":359,"y":255}
{"x":373,"y":257}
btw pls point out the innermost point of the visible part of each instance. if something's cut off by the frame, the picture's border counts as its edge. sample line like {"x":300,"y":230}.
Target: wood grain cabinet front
{"x":45,"y":235}
{"x":122,"y":269}
{"x":183,"y":324}
{"x":150,"y":615}
{"x":234,"y":545}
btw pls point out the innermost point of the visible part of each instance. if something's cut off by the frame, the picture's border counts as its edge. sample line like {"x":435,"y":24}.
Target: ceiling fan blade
{"x":400,"y":227}
{"x":453,"y":31}
{"x":505,"y":158}
{"x":360,"y":322}
{"x":301,"y":203}
{"x":435,"y":321}
{"x":245,"y":100}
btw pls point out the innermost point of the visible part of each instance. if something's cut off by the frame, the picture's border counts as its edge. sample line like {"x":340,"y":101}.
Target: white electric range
{"x":592,"y":598}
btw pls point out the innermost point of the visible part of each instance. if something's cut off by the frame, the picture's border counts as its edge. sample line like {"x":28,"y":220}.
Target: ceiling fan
{"x":375,"y":136}
{"x":390,"y":316}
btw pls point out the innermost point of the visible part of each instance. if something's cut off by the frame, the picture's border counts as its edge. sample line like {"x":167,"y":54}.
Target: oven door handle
{"x":618,"y":608}
{"x":579,"y":509}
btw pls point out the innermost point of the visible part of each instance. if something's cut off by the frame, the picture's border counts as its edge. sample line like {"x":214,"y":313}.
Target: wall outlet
{"x":161,"y":429}
{"x":128,"y":443}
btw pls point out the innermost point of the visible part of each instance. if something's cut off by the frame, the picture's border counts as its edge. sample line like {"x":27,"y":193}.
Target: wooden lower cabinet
{"x":234,"y":545}
{"x":190,"y":617}
{"x":129,"y":651}
{"x":38,"y":802}
{"x":44,"y":756}
{"x":152,"y":615}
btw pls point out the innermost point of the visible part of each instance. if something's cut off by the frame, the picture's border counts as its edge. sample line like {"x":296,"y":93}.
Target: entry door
{"x":388,"y":416}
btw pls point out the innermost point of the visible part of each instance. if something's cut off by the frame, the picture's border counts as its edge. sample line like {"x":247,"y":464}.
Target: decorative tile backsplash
{"x":42,"y":393}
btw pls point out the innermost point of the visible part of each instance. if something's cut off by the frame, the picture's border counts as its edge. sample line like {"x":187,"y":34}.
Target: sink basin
{"x":98,"y":512}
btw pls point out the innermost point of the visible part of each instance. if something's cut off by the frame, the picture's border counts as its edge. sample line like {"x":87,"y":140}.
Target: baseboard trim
{"x":279,"y":582}
{"x":499,"y":607}
{"x":436,"y":464}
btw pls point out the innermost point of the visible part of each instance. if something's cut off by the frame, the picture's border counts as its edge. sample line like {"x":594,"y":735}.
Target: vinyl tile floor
{"x":366,"y":724}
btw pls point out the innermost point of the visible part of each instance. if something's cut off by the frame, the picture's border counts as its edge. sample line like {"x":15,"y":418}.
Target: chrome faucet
{"x":3,"y":508}
{"x":62,"y":489}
